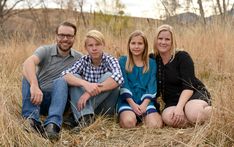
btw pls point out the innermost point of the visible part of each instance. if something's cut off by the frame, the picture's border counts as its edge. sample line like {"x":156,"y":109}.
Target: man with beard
{"x":40,"y":72}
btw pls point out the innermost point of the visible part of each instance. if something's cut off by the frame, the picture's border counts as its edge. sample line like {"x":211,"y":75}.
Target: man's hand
{"x":82,"y":101}
{"x":36,"y":95}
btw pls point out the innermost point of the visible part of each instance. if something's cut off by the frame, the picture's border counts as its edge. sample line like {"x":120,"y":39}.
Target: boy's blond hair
{"x":98,"y":36}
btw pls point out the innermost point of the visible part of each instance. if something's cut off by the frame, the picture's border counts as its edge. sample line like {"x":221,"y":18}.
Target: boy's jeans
{"x":103,"y":103}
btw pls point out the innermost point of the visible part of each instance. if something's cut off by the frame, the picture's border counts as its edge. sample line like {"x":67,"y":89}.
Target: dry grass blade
{"x":212,"y":51}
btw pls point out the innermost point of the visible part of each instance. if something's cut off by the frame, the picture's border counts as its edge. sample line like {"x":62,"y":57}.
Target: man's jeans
{"x":103,"y":103}
{"x":53,"y":103}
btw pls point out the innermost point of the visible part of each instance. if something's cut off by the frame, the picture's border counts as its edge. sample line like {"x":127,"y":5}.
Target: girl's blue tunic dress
{"x":138,"y":86}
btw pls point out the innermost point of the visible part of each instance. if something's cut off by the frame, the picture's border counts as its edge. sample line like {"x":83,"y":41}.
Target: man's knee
{"x":25,"y":84}
{"x":25,"y":89}
{"x":60,"y":81}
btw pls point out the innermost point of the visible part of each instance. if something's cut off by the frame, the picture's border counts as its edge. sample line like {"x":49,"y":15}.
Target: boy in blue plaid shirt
{"x":94,"y":80}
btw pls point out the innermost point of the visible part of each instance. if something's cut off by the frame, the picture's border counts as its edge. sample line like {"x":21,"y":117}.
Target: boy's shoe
{"x":83,"y":122}
{"x":52,"y":131}
{"x":69,"y":121}
{"x":86,"y":120}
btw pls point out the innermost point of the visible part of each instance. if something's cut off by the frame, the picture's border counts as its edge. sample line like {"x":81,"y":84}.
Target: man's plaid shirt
{"x":91,"y":73}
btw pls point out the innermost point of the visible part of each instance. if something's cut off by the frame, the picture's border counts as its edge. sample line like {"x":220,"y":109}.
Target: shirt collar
{"x":54,"y":51}
{"x":102,"y":58}
{"x":72,"y":52}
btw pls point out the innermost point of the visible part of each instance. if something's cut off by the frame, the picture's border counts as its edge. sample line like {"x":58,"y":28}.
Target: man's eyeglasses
{"x":68,"y":36}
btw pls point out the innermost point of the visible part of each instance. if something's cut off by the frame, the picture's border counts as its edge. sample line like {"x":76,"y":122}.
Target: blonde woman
{"x":186,"y":98}
{"x":137,"y":94}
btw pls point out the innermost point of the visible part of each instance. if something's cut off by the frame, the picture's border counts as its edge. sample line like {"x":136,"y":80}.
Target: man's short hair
{"x":66,"y":23}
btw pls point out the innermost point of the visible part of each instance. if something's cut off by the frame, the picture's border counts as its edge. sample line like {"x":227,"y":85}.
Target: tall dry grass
{"x":212,"y":49}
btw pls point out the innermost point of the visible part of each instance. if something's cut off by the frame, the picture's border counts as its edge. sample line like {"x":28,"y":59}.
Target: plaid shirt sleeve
{"x":76,"y":68}
{"x":115,"y":70}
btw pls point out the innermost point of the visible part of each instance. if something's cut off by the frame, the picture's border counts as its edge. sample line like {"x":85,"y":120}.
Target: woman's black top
{"x":176,"y":76}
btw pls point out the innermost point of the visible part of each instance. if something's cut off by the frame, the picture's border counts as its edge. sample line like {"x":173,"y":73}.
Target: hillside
{"x":43,"y":21}
{"x":47,"y":19}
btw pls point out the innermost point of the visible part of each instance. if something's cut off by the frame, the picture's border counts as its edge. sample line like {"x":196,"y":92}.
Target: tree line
{"x":7,"y":7}
{"x":116,"y":8}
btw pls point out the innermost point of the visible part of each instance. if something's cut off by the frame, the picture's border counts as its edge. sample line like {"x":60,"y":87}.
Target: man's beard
{"x":65,"y":49}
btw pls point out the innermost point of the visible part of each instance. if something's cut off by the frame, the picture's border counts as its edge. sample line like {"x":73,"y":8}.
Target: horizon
{"x":136,"y":8}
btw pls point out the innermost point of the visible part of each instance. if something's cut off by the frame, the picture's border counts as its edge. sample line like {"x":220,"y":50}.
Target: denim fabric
{"x":53,"y":103}
{"x":102,"y":103}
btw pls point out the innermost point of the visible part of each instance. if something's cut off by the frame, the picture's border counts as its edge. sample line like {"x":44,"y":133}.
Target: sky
{"x":138,"y":8}
{"x":155,"y":9}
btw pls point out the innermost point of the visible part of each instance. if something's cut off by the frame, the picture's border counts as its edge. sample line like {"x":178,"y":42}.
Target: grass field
{"x":212,"y":49}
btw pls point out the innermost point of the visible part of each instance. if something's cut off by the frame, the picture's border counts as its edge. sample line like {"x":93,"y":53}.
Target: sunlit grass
{"x":212,"y":50}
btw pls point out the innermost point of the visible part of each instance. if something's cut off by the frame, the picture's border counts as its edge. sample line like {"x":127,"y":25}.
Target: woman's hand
{"x":178,"y":116}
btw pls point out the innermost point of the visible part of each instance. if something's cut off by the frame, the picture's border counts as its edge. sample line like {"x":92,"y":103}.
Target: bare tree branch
{"x":201,"y":9}
{"x":5,"y":11}
{"x":81,"y":4}
{"x":166,"y":9}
